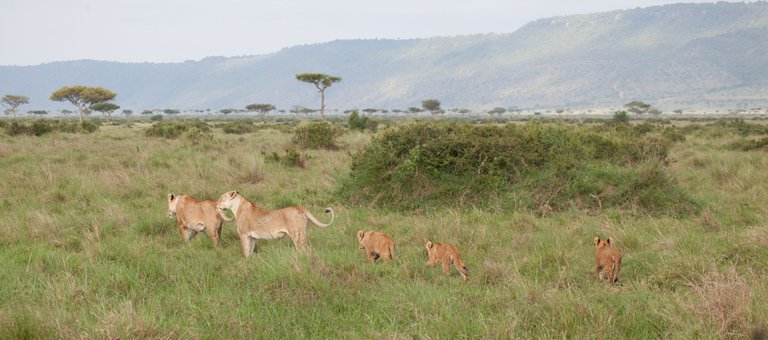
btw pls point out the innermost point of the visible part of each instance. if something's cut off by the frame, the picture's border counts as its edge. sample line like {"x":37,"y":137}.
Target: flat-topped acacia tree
{"x":262,"y":109}
{"x":105,"y":108}
{"x":13,"y":102}
{"x":321,"y":81}
{"x":82,"y":97}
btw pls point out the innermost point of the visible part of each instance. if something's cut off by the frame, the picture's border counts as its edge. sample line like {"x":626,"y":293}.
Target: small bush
{"x":292,"y":158}
{"x":316,"y":135}
{"x":621,"y":117}
{"x":156,"y":118}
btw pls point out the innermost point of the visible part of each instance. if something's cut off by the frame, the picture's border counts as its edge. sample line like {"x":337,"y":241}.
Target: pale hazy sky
{"x":40,"y":31}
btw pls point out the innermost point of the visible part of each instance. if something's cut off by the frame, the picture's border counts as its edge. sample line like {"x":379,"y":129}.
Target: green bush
{"x":292,"y":158}
{"x":238,"y":128}
{"x":41,"y":127}
{"x":316,"y":135}
{"x":621,"y":117}
{"x":749,"y":144}
{"x":537,"y":165}
{"x":195,"y":130}
{"x":740,"y":127}
{"x":356,"y":122}
{"x":156,"y":118}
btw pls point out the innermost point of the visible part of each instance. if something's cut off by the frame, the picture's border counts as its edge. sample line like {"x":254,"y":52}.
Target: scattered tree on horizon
{"x":321,"y":81}
{"x":497,"y":111}
{"x":12,"y":102}
{"x":262,"y":109}
{"x":37,"y":112}
{"x":82,"y":97}
{"x":127,"y":112}
{"x":431,"y":105}
{"x":637,"y":107}
{"x":105,"y":108}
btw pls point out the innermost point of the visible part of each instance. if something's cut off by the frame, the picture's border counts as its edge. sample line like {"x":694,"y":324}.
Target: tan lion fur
{"x":446,"y":254}
{"x":254,"y":223}
{"x":376,"y":244}
{"x":607,"y":260}
{"x":195,"y":216}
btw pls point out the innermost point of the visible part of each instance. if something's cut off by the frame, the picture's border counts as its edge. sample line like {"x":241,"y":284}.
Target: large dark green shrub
{"x":316,"y":135}
{"x":536,"y":165}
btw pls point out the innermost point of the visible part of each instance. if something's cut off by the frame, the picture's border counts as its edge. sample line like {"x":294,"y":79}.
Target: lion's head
{"x":227,"y":200}
{"x":173,"y":202}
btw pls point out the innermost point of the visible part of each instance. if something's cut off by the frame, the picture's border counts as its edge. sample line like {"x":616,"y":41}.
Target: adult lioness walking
{"x":195,"y":216}
{"x":255,"y":223}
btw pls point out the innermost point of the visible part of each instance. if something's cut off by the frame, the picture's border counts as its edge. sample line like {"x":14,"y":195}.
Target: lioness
{"x":447,"y":254}
{"x":607,"y":259}
{"x":195,"y":216}
{"x":255,"y":223}
{"x":376,"y":245}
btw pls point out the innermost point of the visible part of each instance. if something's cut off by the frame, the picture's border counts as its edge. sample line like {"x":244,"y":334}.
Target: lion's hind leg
{"x":186,"y":233}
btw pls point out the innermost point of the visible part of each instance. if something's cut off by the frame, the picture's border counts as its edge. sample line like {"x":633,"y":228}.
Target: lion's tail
{"x":460,"y":267}
{"x":615,"y":271}
{"x":314,"y":220}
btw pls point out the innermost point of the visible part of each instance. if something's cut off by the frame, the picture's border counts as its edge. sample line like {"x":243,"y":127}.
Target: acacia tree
{"x":431,"y":105}
{"x":262,"y":109}
{"x":105,"y":108}
{"x":497,"y":111}
{"x":12,"y":102}
{"x":637,"y":107}
{"x":321,"y":81}
{"x":82,"y":97}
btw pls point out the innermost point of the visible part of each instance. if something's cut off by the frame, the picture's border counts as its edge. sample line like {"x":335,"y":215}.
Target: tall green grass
{"x":87,"y":251}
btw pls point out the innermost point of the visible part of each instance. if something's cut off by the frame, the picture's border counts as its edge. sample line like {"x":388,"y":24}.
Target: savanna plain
{"x":87,"y":249}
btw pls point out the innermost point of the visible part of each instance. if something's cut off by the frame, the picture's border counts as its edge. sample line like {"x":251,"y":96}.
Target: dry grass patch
{"x":723,"y":302}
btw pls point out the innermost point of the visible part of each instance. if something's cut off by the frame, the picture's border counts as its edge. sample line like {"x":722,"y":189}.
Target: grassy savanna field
{"x":87,"y":250}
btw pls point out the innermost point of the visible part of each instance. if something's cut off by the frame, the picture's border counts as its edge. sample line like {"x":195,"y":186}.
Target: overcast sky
{"x":39,"y":31}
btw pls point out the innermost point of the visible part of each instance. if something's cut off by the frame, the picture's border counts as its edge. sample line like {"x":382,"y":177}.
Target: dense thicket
{"x":540,"y":166}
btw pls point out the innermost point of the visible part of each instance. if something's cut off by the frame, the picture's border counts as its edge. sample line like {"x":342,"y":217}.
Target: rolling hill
{"x":681,"y":55}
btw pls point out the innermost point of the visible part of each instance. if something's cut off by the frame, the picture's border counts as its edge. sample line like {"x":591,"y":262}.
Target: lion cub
{"x":608,"y":261}
{"x":446,"y":254}
{"x":376,"y":245}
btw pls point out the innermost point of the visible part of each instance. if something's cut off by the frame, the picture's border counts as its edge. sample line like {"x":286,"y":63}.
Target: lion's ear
{"x":360,"y":234}
{"x":232,"y":194}
{"x":608,"y":240}
{"x":597,"y":240}
{"x":170,"y":197}
{"x":429,"y":245}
